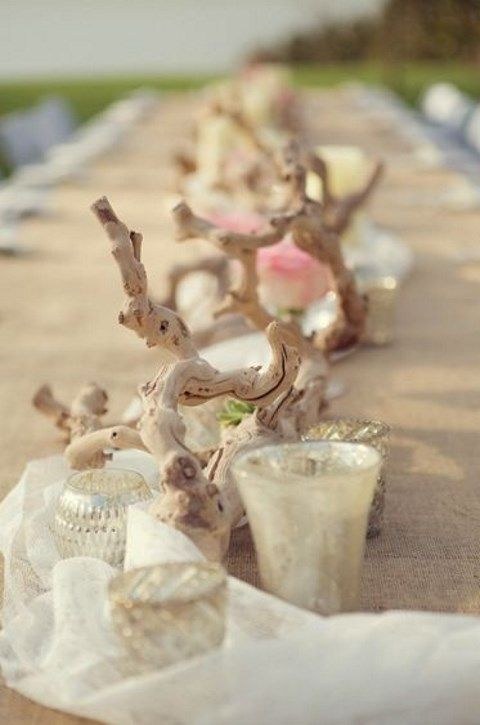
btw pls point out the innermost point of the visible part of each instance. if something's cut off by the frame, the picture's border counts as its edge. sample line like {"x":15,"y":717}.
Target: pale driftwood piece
{"x":310,"y":234}
{"x":243,"y":299}
{"x":338,"y":211}
{"x":81,"y":418}
{"x":191,"y":501}
{"x":46,"y":403}
{"x":315,"y":234}
{"x":269,"y":155}
{"x":95,"y":446}
{"x":251,"y":433}
{"x":259,"y":171}
{"x":156,"y":324}
{"x":84,"y":413}
{"x":184,"y":160}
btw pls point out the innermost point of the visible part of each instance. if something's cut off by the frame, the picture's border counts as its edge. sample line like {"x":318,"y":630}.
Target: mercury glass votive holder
{"x":169,"y":612}
{"x":91,"y":513}
{"x":307,"y":504}
{"x":372,"y":433}
{"x":381,"y":294}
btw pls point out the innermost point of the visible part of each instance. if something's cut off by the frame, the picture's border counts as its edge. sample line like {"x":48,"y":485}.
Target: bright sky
{"x":68,"y":37}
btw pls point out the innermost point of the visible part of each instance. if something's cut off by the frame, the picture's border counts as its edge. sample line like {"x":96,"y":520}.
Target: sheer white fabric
{"x":278,"y":664}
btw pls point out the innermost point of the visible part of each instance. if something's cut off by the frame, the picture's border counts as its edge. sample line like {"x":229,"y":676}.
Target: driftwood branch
{"x":338,"y":211}
{"x":243,"y":298}
{"x":192,"y":501}
{"x":156,"y":324}
{"x":82,"y":417}
{"x":303,"y":409}
{"x":97,"y":446}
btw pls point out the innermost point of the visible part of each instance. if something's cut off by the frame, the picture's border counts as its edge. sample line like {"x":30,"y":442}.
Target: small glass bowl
{"x":91,"y":513}
{"x":169,"y":612}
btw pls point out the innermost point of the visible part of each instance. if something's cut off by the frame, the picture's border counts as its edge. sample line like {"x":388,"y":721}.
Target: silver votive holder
{"x":91,"y":513}
{"x":381,"y":295}
{"x":369,"y":432}
{"x":169,"y":612}
{"x":307,"y":504}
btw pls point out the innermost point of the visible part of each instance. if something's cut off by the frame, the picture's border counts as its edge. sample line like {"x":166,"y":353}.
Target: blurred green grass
{"x":409,"y":80}
{"x":88,"y":96}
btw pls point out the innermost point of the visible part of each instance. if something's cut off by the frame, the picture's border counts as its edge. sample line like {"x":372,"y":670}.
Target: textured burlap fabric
{"x":58,"y":324}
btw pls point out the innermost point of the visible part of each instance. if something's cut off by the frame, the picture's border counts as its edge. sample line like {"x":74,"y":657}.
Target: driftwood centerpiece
{"x":198,"y":496}
{"x":239,"y":132}
{"x":316,"y":227}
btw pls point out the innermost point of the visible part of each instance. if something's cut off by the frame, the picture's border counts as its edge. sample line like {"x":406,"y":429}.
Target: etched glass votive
{"x":307,"y":504}
{"x":381,"y":294}
{"x":91,"y":513}
{"x":372,"y":433}
{"x":169,"y":612}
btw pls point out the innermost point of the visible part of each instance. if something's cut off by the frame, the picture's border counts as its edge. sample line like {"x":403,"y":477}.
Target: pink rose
{"x":291,"y":279}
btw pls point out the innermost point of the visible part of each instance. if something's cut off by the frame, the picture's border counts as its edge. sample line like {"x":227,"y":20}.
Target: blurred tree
{"x":405,"y":30}
{"x":429,"y":30}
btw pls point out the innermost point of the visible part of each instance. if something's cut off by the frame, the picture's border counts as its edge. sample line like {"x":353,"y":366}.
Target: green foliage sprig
{"x":233,"y":412}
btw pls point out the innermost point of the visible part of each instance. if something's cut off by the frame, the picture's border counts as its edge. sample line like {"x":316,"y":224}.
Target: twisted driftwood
{"x":84,"y":418}
{"x":310,"y":235}
{"x":201,"y":502}
{"x":316,"y":228}
{"x":243,"y":299}
{"x":338,"y":211}
{"x":255,"y":178}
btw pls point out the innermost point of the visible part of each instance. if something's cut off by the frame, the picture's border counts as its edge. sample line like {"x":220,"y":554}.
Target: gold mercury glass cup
{"x":91,"y":513}
{"x":169,"y":612}
{"x":372,"y":433}
{"x":307,"y":504}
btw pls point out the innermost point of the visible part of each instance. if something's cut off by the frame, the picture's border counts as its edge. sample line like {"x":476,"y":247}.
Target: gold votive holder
{"x":169,"y":612}
{"x":91,"y":513}
{"x":307,"y":504}
{"x":369,"y":432}
{"x":381,"y":295}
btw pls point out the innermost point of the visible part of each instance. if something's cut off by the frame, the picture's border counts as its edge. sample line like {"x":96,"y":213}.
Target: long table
{"x":58,"y":309}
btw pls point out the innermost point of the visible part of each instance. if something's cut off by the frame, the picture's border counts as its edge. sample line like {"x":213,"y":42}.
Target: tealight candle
{"x":169,"y":612}
{"x":307,"y":505}
{"x":348,"y":169}
{"x":91,"y":513}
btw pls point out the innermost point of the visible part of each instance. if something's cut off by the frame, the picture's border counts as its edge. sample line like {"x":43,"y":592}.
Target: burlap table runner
{"x":58,"y":324}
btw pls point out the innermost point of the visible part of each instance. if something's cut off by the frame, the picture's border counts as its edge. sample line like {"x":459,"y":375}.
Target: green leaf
{"x":233,"y":412}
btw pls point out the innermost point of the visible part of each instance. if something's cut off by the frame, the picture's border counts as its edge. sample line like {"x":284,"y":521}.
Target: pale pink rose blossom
{"x":291,"y":279}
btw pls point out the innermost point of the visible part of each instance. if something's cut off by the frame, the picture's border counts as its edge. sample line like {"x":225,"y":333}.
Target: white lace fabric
{"x":279,"y":665}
